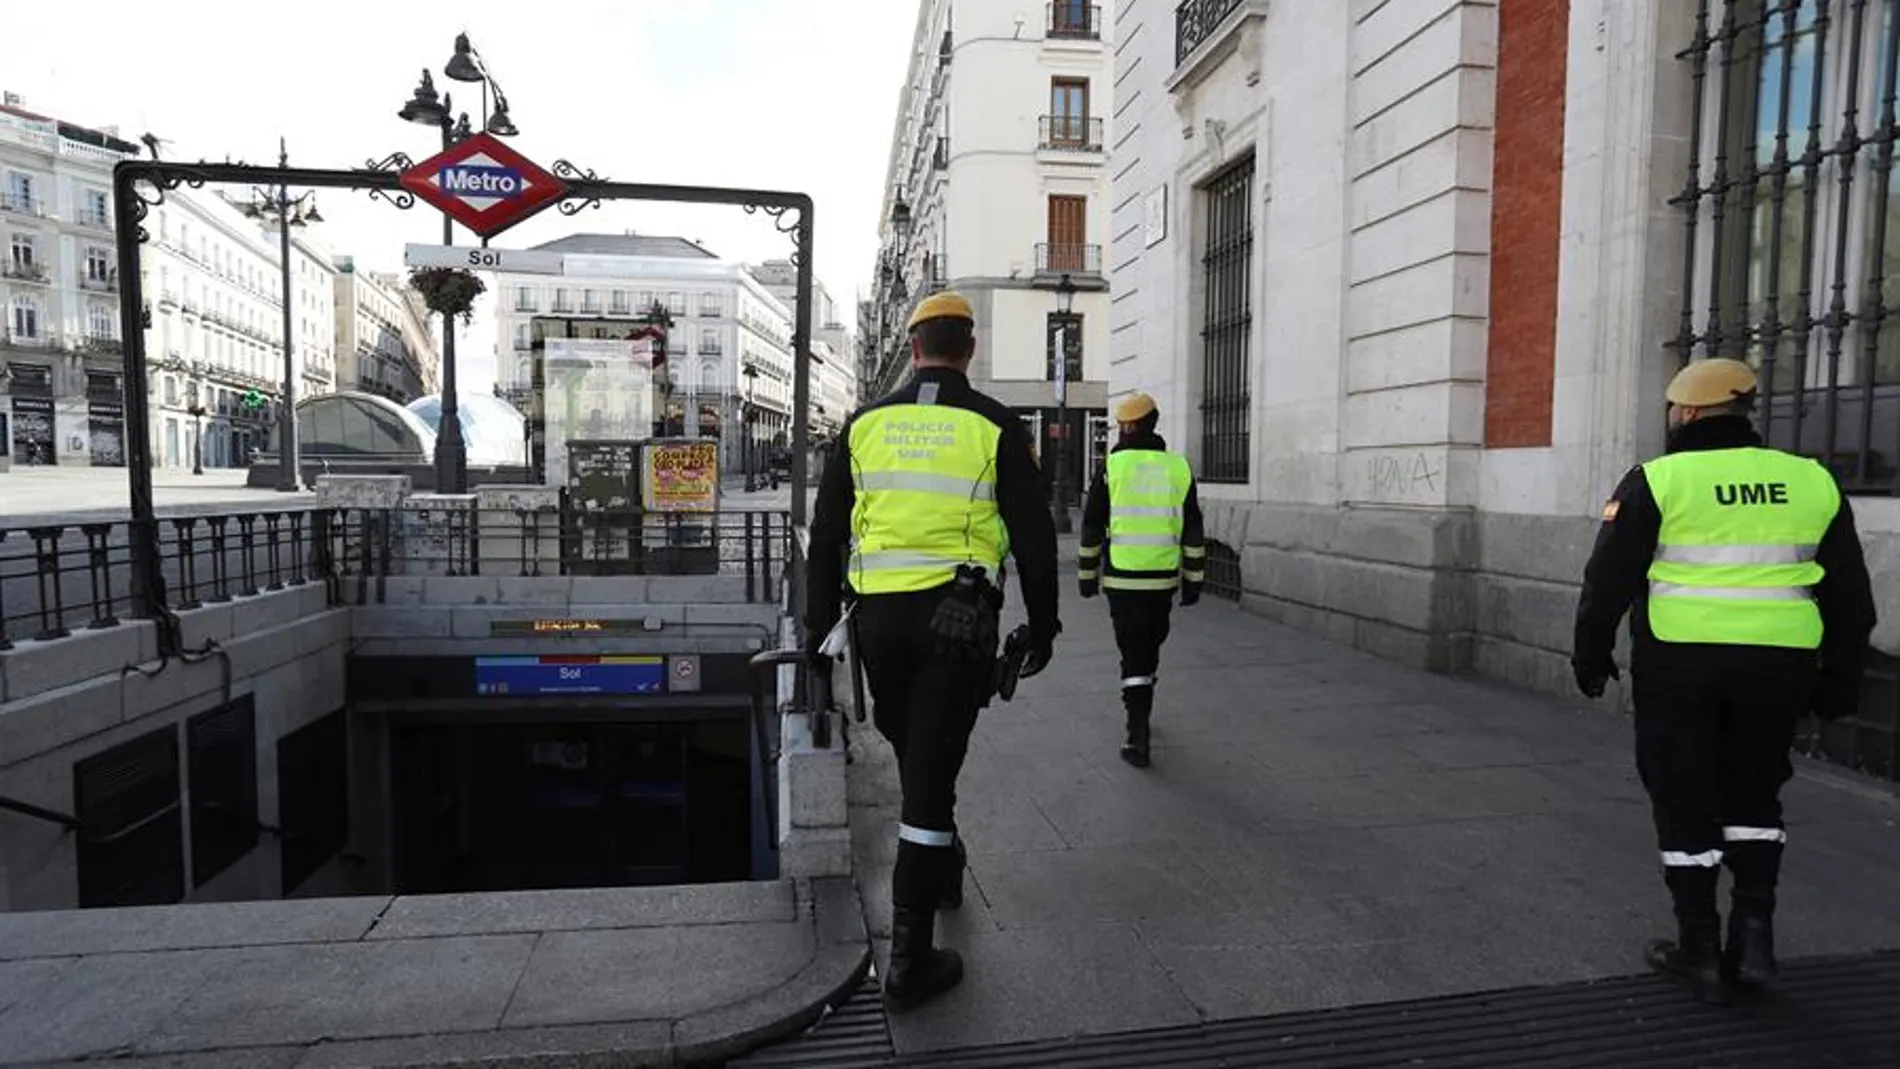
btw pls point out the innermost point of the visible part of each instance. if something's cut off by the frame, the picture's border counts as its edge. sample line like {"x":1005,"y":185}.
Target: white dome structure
{"x":493,"y":431}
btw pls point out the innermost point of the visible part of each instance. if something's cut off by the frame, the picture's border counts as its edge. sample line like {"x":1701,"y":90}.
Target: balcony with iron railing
{"x":22,"y":204}
{"x":1070,"y":133}
{"x":1069,"y":259}
{"x":24,"y":271}
{"x":96,"y":218}
{"x":1195,"y":23}
{"x":99,"y":285}
{"x":1070,"y":21}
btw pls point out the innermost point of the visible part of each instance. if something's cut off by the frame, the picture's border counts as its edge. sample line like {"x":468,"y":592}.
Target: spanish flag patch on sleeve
{"x":1610,"y":509}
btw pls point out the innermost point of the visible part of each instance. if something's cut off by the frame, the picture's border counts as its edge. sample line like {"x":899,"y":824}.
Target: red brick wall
{"x":1526,"y":205}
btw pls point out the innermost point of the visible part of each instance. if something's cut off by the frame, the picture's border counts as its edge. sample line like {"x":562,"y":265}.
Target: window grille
{"x":313,"y":796}
{"x":1793,"y":222}
{"x":223,"y":768}
{"x":1226,"y":325}
{"x":132,"y":849}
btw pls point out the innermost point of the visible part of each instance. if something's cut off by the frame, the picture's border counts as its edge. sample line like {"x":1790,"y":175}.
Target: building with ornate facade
{"x":834,"y":368}
{"x":1408,"y":278}
{"x":61,"y":363}
{"x":728,"y":352}
{"x":383,"y":342}
{"x":998,"y":186}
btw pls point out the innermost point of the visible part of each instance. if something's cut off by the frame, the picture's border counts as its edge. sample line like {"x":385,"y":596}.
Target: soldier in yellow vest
{"x":925,"y":494}
{"x":1144,"y":506}
{"x":1749,"y":607}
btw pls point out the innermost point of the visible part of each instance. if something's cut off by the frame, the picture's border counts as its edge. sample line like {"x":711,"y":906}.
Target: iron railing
{"x":1195,"y":21}
{"x":567,"y":539}
{"x":56,"y":578}
{"x":1071,"y":133}
{"x":1074,"y":20}
{"x":1068,"y":259}
{"x":1789,"y":262}
{"x":1226,"y":326}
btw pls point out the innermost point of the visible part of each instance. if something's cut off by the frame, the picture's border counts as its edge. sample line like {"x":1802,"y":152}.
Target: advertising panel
{"x":682,"y":476}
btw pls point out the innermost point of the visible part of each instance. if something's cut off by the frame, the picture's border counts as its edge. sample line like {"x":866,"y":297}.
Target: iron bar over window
{"x":1793,"y":260}
{"x":1226,"y":325}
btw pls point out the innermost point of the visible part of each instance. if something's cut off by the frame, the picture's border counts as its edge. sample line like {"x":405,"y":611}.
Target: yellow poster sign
{"x":682,"y":477}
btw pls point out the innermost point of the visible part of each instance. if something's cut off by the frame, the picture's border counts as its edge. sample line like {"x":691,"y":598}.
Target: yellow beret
{"x":1134,"y":409}
{"x":948,"y":304}
{"x":1710,"y":383}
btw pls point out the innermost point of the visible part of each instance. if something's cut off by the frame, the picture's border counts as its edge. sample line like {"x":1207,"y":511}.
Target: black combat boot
{"x":953,"y":880}
{"x":1139,"y":702}
{"x":1750,"y":957}
{"x":1696,"y":954}
{"x":919,"y":971}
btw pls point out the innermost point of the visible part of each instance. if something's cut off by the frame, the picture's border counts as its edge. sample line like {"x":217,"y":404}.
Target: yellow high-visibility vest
{"x":1147,"y":493}
{"x":925,"y":497}
{"x":1735,"y":558}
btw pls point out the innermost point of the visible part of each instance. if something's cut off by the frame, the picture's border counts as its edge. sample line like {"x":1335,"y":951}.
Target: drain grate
{"x":1833,"y":1013}
{"x":853,"y":1035}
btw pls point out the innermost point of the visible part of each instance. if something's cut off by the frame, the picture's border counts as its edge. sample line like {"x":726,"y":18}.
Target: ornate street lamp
{"x":427,"y":108}
{"x":286,"y":211}
{"x":1065,"y":302}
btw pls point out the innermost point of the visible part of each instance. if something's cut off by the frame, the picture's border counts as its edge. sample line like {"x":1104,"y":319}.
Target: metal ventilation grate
{"x":1828,"y":1014}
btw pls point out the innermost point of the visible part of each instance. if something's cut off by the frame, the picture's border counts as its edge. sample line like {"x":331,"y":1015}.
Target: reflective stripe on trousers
{"x":925,"y":836}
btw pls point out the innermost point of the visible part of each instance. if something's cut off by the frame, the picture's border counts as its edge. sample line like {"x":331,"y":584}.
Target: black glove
{"x":1835,"y":698}
{"x":1042,"y":649}
{"x":1190,"y":593}
{"x":1592,"y":677}
{"x":1091,"y":587}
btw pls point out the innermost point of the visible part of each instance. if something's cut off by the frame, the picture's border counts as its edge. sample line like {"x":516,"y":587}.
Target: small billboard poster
{"x":682,"y":476}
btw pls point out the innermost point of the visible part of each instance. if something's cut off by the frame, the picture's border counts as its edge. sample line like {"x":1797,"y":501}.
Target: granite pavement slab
{"x":1320,"y":828}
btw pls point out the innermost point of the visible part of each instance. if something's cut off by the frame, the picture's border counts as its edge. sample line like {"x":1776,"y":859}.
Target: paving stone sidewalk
{"x":647,"y":976}
{"x":1320,"y":828}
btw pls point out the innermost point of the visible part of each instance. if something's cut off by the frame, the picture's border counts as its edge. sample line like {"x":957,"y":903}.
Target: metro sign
{"x":483,"y":184}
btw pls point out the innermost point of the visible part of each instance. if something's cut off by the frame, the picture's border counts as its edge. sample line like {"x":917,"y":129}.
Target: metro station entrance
{"x":544,"y":804}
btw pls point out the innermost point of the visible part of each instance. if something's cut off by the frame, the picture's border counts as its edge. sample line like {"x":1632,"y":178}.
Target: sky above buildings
{"x":777,"y":94}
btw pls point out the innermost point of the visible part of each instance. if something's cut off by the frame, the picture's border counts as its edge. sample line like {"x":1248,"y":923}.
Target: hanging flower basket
{"x":448,"y":291}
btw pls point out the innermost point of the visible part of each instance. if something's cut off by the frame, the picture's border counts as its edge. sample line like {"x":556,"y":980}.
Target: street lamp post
{"x":197,"y":413}
{"x":425,"y":108}
{"x":1065,"y":301}
{"x":288,"y":211}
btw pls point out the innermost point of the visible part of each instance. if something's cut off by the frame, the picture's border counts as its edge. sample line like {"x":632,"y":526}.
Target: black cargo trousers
{"x":925,"y":703}
{"x":1141,"y":621}
{"x":1712,"y":749}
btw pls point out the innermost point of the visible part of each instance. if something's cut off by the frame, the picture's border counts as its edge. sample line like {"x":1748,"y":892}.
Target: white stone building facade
{"x":834,"y":369}
{"x":728,"y":365}
{"x":61,"y":362}
{"x":998,"y":186}
{"x":383,"y":347}
{"x":1408,"y":277}
{"x":211,"y":277}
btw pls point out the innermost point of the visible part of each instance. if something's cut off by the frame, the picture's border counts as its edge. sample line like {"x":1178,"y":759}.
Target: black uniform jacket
{"x":1096,"y":509}
{"x":1616,"y":579}
{"x":1032,"y":530}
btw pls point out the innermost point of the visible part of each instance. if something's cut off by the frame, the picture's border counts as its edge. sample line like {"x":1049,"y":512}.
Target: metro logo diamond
{"x":484,"y":185}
